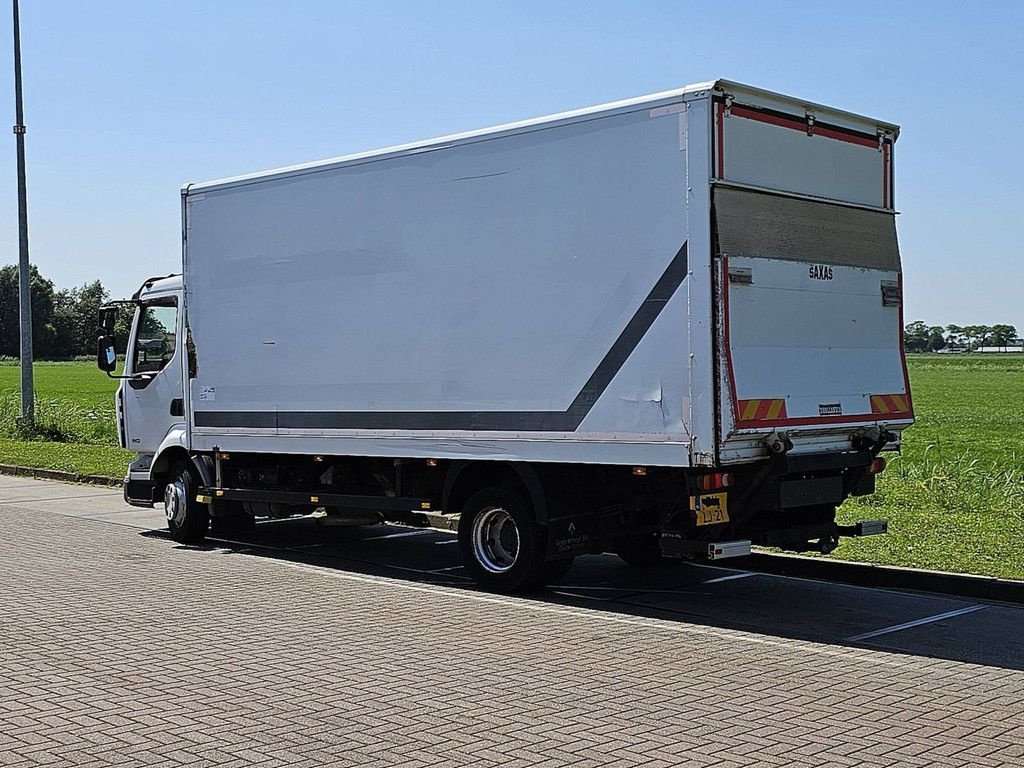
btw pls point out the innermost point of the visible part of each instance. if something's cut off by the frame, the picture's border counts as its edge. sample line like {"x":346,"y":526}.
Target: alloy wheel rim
{"x":495,"y":540}
{"x":175,"y":502}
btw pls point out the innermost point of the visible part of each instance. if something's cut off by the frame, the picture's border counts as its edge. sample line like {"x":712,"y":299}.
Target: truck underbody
{"x":645,"y":514}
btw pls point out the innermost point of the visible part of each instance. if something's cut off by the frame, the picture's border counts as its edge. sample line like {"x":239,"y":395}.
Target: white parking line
{"x":744,"y":575}
{"x":417,"y":532}
{"x":917,"y":623}
{"x":574,"y":594}
{"x":639,"y":590}
{"x":589,"y":616}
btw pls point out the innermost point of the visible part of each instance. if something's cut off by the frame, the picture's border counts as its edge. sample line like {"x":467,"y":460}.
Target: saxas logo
{"x":820,"y":272}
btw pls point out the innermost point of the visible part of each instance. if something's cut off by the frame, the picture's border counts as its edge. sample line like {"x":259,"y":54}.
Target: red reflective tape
{"x":903,"y":351}
{"x":777,"y":409}
{"x":830,"y":133}
{"x":762,"y":410}
{"x":798,"y":124}
{"x":894,"y":405}
{"x":762,"y":117}
{"x":885,"y":174}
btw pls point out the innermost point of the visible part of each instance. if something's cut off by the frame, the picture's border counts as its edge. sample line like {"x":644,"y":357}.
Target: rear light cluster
{"x":714,"y":481}
{"x":876,"y":466}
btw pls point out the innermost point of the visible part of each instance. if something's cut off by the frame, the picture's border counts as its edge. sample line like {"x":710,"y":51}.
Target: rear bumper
{"x":789,"y":481}
{"x":790,"y":501}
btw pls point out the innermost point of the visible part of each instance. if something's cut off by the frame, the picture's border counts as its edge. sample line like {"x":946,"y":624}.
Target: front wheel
{"x":187,"y":519}
{"x":502,"y":545}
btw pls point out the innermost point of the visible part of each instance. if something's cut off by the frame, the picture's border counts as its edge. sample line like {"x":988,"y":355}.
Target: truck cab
{"x":151,"y":396}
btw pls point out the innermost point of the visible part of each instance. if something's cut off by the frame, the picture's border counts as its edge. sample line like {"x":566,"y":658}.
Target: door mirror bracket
{"x":106,"y":361}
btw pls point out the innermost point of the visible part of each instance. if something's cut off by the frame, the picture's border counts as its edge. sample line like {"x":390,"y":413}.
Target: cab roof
{"x":153,"y":285}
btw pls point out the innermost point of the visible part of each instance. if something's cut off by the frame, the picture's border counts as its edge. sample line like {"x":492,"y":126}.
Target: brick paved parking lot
{"x":306,"y":647}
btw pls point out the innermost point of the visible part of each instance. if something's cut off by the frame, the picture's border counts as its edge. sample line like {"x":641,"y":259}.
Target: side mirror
{"x":107,"y":319}
{"x":106,"y":357}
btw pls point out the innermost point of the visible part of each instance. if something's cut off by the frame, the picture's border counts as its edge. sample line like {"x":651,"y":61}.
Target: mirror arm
{"x":133,"y":376}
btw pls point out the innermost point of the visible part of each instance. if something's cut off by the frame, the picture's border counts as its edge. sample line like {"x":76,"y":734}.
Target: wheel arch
{"x":173,"y":453}
{"x":465,"y":478}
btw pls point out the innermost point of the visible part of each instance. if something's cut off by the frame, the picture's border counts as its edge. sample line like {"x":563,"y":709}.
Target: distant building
{"x":1000,"y":349}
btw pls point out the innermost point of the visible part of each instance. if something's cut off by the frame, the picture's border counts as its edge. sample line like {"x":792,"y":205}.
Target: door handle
{"x":177,"y":407}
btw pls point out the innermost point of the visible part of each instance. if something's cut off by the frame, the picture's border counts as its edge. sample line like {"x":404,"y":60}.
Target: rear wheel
{"x":502,"y":545}
{"x":640,"y":551}
{"x":187,"y":519}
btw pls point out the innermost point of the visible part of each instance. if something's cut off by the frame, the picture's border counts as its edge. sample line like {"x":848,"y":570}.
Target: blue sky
{"x":125,"y":101}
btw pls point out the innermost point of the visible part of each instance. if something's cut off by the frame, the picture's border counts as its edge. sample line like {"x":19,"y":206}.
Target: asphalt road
{"x":304,"y":645}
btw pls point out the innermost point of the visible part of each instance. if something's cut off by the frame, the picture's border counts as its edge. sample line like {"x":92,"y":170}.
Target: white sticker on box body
{"x":671,"y":109}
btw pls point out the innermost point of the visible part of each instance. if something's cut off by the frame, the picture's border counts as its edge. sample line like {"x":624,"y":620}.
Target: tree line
{"x":918,"y":336}
{"x":63,"y":321}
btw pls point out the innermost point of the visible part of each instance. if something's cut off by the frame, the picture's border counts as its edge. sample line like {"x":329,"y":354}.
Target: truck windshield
{"x":155,"y":337}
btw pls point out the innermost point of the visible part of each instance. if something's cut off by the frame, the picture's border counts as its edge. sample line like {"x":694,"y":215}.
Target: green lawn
{"x":75,"y":402}
{"x":78,"y":458}
{"x":954,"y":498}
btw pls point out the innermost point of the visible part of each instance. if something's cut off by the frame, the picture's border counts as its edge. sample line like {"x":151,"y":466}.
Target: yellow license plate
{"x":711,"y":508}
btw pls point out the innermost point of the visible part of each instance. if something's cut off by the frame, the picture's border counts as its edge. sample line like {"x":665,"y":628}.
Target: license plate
{"x":711,"y":508}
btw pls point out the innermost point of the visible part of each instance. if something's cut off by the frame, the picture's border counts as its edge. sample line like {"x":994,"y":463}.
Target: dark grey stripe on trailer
{"x":498,"y":421}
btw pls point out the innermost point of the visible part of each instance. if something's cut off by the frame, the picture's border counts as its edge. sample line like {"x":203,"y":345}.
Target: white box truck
{"x":668,"y":326}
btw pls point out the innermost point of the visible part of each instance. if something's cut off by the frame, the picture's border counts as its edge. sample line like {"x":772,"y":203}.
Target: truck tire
{"x":503,"y":547}
{"x":640,"y":551}
{"x":187,"y":519}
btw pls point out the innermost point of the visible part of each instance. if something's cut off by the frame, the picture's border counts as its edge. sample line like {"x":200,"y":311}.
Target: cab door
{"x":152,"y":393}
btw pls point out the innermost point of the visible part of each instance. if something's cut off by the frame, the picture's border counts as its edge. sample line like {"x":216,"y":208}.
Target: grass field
{"x":954,"y":498}
{"x":74,"y":403}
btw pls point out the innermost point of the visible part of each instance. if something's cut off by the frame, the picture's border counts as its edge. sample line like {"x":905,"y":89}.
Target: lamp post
{"x":24,"y":285}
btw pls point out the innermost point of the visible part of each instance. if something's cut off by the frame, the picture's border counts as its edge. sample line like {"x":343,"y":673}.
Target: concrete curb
{"x":885,"y":576}
{"x":57,"y":474}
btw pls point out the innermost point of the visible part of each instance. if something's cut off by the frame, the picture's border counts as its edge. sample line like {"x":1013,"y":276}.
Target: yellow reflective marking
{"x":774,"y":409}
{"x":750,"y":409}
